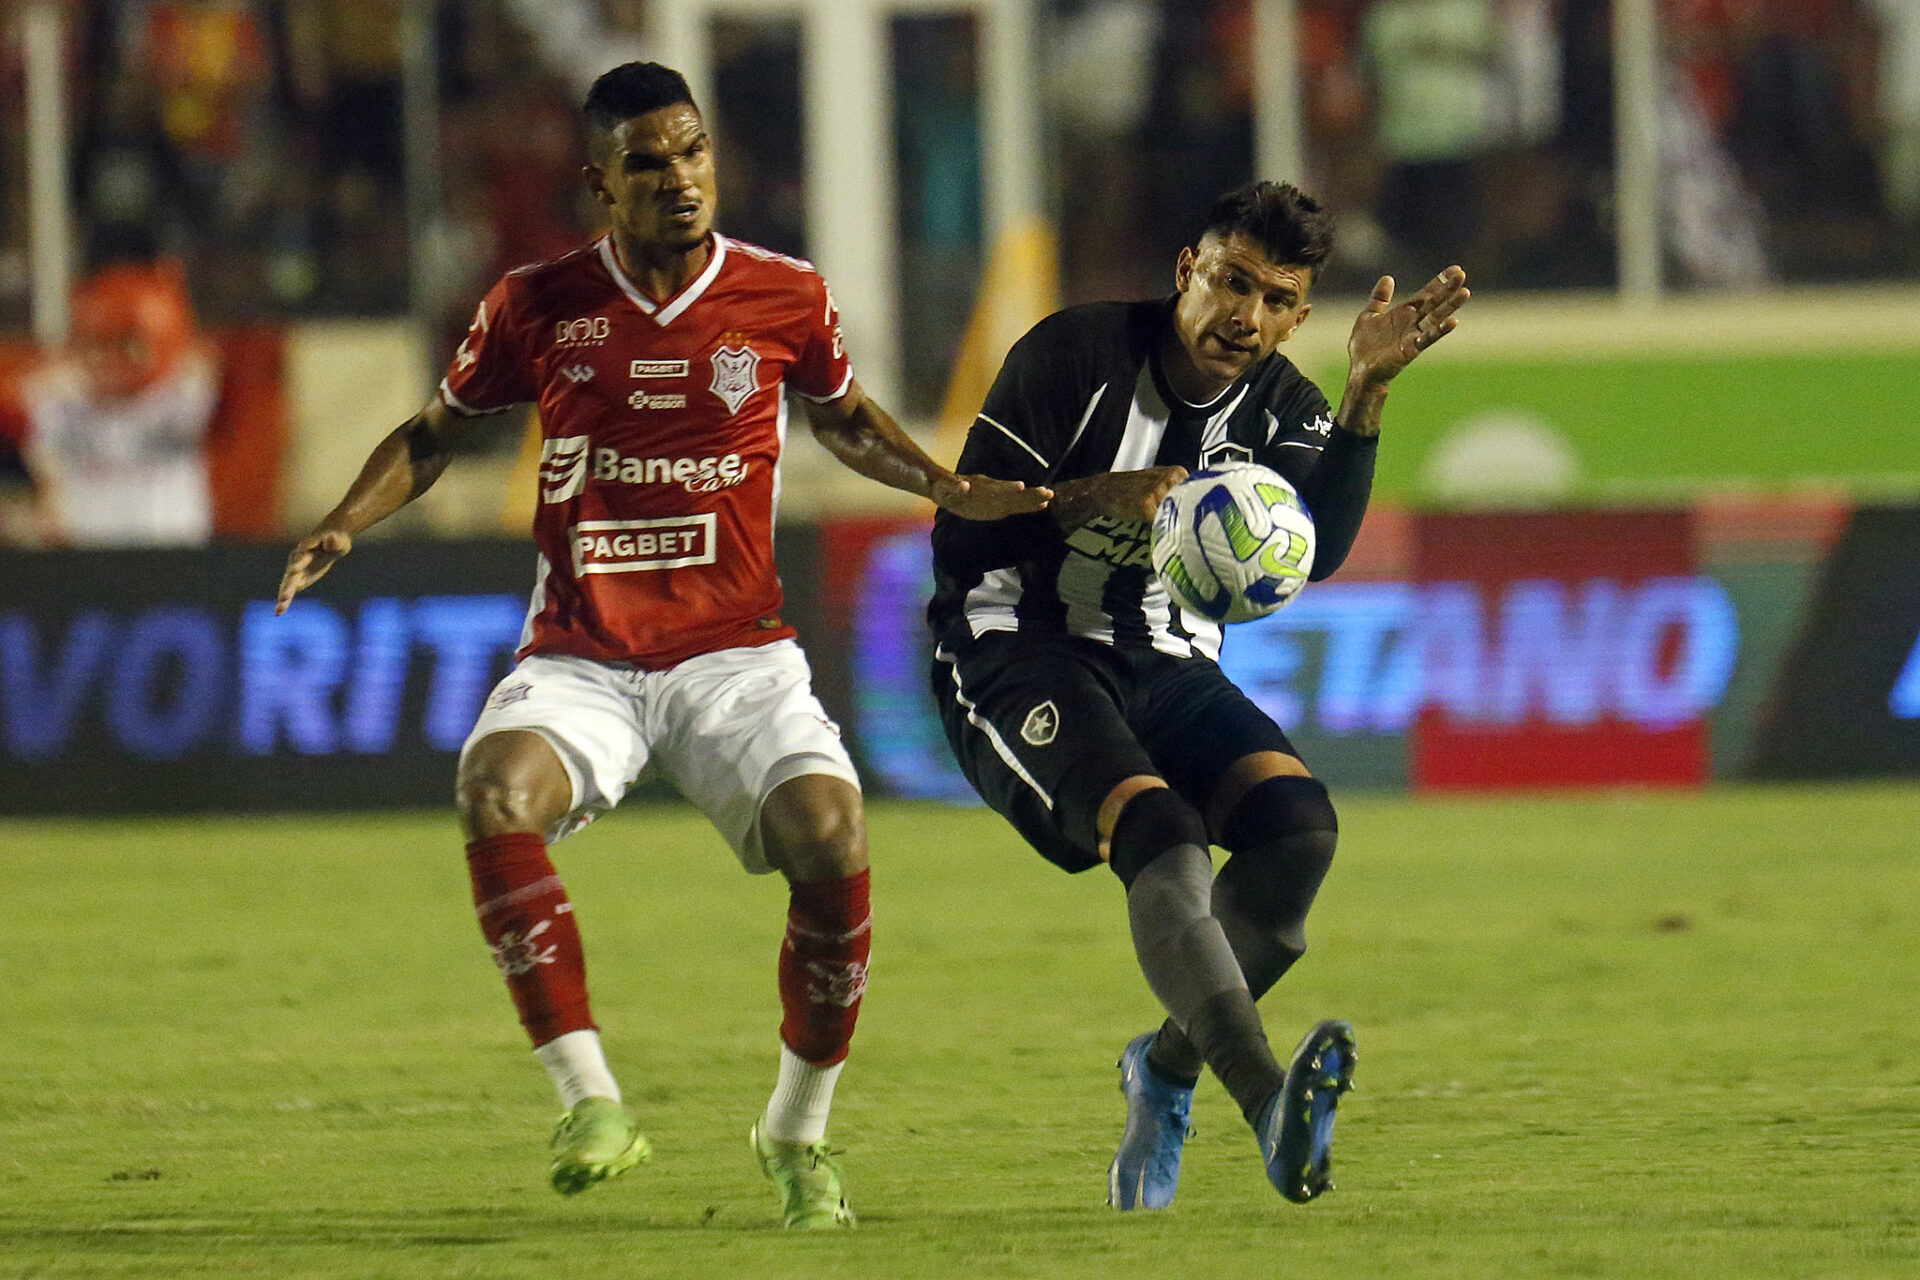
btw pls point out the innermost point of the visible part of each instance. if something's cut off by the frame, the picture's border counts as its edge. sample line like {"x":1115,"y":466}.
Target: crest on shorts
{"x":1041,"y":724}
{"x":736,"y":375}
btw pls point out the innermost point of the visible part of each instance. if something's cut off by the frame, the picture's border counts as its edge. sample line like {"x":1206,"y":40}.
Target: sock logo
{"x":1041,"y":724}
{"x":841,"y":985}
{"x":518,"y":953}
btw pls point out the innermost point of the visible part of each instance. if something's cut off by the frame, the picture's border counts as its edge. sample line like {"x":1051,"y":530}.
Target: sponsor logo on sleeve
{"x":634,"y":546}
{"x":736,"y":375}
{"x":563,"y":468}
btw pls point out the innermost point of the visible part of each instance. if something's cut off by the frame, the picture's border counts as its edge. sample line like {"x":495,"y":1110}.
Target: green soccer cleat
{"x":808,"y":1179}
{"x":595,"y":1141}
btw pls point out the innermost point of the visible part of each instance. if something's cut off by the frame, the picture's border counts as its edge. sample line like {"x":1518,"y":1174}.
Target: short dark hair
{"x":633,"y":89}
{"x":1288,"y":224}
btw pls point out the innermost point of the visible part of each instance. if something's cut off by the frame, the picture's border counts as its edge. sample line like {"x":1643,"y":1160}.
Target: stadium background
{"x":1671,"y":577}
{"x":1619,"y":693}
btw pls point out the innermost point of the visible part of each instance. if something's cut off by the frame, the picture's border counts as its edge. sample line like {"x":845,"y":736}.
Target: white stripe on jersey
{"x":460,"y":406}
{"x":1216,"y":428}
{"x":831,"y":396}
{"x":990,"y":605}
{"x":1085,"y":418}
{"x":1016,"y":439}
{"x":1146,"y":423}
{"x":537,"y":602}
{"x":1083,"y":578}
{"x":985,"y":726}
{"x":1205,"y":632}
{"x":1157,"y":605}
{"x":780,"y":434}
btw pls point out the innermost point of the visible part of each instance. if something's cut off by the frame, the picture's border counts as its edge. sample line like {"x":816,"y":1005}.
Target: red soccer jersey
{"x":663,"y":424}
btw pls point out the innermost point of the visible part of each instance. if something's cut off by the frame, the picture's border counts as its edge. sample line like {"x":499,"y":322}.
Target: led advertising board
{"x":143,"y":681}
{"x":1582,"y":648}
{"x":1847,"y":701}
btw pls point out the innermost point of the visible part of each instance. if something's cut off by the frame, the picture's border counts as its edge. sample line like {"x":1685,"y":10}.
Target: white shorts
{"x":724,"y":728}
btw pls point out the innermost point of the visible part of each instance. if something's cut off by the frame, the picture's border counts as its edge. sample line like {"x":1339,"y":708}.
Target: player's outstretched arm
{"x":1118,"y":495}
{"x":401,"y":468}
{"x":865,"y":437}
{"x":1387,"y":337}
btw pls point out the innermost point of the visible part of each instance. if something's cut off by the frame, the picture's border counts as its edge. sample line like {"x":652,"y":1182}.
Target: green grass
{"x":1634,"y":1036}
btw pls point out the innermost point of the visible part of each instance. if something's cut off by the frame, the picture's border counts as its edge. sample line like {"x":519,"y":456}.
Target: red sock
{"x":528,"y":922}
{"x":823,"y":966}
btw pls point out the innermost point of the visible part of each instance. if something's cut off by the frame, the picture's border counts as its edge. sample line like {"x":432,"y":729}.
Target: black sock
{"x":1226,"y":1029}
{"x":1261,"y":898}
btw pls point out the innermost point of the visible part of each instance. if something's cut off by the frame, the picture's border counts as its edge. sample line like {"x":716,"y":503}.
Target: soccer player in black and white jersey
{"x":1090,"y":712}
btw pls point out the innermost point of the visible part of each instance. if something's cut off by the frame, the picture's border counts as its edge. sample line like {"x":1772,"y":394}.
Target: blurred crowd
{"x":253,"y":156}
{"x":1481,"y":131}
{"x":261,"y":143}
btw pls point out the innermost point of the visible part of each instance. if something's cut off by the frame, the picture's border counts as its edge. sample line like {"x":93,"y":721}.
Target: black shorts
{"x":1044,"y":727}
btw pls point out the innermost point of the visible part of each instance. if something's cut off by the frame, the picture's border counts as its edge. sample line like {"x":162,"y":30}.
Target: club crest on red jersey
{"x":736,"y":375}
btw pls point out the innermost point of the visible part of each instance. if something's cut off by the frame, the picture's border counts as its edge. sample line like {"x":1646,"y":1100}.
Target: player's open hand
{"x":1386,"y":337}
{"x":309,"y":561}
{"x":1127,"y":496}
{"x":988,"y":497}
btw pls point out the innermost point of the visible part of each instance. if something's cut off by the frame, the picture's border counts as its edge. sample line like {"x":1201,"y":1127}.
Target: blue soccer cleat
{"x":1146,"y":1170}
{"x":1296,"y":1130}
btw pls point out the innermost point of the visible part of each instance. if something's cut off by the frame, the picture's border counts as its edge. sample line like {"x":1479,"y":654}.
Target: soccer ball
{"x":1233,"y":542}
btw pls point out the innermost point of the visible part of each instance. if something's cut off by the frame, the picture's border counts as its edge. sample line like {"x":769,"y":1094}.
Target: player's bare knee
{"x":490,"y":805}
{"x":505,"y":785}
{"x":813,"y":828}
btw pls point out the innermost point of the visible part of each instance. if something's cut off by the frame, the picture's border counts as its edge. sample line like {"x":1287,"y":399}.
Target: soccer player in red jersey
{"x":657,"y":357}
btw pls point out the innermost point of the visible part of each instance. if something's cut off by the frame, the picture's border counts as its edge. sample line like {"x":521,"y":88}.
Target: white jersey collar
{"x":665,"y":314}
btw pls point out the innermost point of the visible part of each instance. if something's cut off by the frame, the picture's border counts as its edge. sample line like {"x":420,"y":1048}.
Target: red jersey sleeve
{"x":823,"y":371}
{"x":493,"y":369}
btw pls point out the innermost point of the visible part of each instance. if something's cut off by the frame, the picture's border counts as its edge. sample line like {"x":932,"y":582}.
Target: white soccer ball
{"x":1233,"y":543}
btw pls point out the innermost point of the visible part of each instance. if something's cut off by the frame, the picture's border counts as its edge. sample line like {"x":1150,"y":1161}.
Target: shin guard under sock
{"x":528,"y":923}
{"x":1187,"y":962}
{"x":823,"y":966}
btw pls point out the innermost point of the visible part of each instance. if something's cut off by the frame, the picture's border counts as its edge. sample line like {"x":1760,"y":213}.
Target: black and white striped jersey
{"x":1082,"y":393}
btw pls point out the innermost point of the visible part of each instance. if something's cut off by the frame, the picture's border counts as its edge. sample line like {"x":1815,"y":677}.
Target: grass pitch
{"x":1635,"y":1036}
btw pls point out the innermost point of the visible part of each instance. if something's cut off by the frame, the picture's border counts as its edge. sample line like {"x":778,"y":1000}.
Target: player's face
{"x":655,"y":176}
{"x":1236,"y":305}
